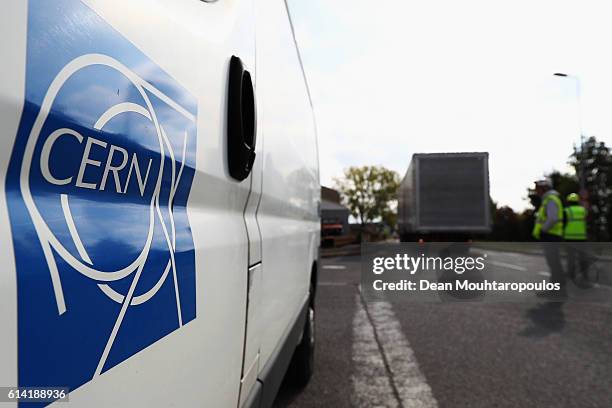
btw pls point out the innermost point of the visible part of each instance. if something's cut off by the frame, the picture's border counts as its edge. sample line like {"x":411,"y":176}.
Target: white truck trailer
{"x":445,"y":197}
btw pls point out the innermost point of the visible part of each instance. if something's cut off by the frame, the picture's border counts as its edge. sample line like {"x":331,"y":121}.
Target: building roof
{"x":330,"y":194}
{"x":330,"y":205}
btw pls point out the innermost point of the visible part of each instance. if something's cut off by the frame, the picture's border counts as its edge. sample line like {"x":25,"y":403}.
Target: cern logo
{"x":114,"y":165}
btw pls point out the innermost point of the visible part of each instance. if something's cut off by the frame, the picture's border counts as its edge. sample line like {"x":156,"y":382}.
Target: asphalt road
{"x":407,"y":354}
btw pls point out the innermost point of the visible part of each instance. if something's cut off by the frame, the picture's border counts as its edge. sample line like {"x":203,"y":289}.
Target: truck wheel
{"x":302,"y":362}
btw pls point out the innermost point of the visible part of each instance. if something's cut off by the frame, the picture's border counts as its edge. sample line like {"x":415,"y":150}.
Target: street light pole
{"x":582,"y":175}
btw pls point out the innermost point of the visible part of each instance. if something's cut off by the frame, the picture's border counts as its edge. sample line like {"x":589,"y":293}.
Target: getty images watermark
{"x":500,"y":272}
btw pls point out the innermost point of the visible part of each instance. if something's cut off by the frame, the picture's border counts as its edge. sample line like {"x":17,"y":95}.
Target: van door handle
{"x":241,"y":127}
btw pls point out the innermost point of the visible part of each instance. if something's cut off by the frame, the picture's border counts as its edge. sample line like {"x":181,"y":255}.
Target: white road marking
{"x":544,"y":273}
{"x":371,"y":383}
{"x":502,"y":253}
{"x":409,"y":381}
{"x":386,"y":371}
{"x":508,"y":265}
{"x":334,"y":267}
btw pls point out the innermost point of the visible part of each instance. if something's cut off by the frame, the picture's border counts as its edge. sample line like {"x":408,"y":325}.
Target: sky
{"x":393,"y":78}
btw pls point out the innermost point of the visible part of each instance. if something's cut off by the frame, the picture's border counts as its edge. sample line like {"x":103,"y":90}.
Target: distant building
{"x":334,"y":216}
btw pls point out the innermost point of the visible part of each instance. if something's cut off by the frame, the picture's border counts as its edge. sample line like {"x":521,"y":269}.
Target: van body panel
{"x":224,"y":292}
{"x":287,"y":212}
{"x":12,"y":87}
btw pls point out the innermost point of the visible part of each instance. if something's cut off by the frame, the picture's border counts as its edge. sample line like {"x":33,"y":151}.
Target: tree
{"x":505,"y":224}
{"x":370,"y":193}
{"x":511,"y":226}
{"x":564,"y":183}
{"x":595,"y":160}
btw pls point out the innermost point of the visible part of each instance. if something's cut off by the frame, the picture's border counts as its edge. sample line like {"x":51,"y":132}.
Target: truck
{"x":445,"y":197}
{"x":159,"y":204}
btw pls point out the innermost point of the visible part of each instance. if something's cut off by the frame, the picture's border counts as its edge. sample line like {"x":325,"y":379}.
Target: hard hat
{"x":543,"y":183}
{"x":573,"y":198}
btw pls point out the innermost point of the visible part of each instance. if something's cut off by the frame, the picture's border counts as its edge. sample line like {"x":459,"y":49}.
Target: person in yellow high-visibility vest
{"x":575,"y":216}
{"x":548,"y":225}
{"x":575,"y":233}
{"x":548,"y":228}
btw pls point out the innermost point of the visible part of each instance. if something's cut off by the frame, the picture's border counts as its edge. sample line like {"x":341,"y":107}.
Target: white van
{"x":159,"y":222}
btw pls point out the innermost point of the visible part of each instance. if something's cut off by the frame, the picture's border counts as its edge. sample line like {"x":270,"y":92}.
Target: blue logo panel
{"x":97,"y":189}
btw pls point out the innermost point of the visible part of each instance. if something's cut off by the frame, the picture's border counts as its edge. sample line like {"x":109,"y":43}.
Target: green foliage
{"x":564,"y":183}
{"x":594,"y":164}
{"x":511,"y":226}
{"x":370,"y":193}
